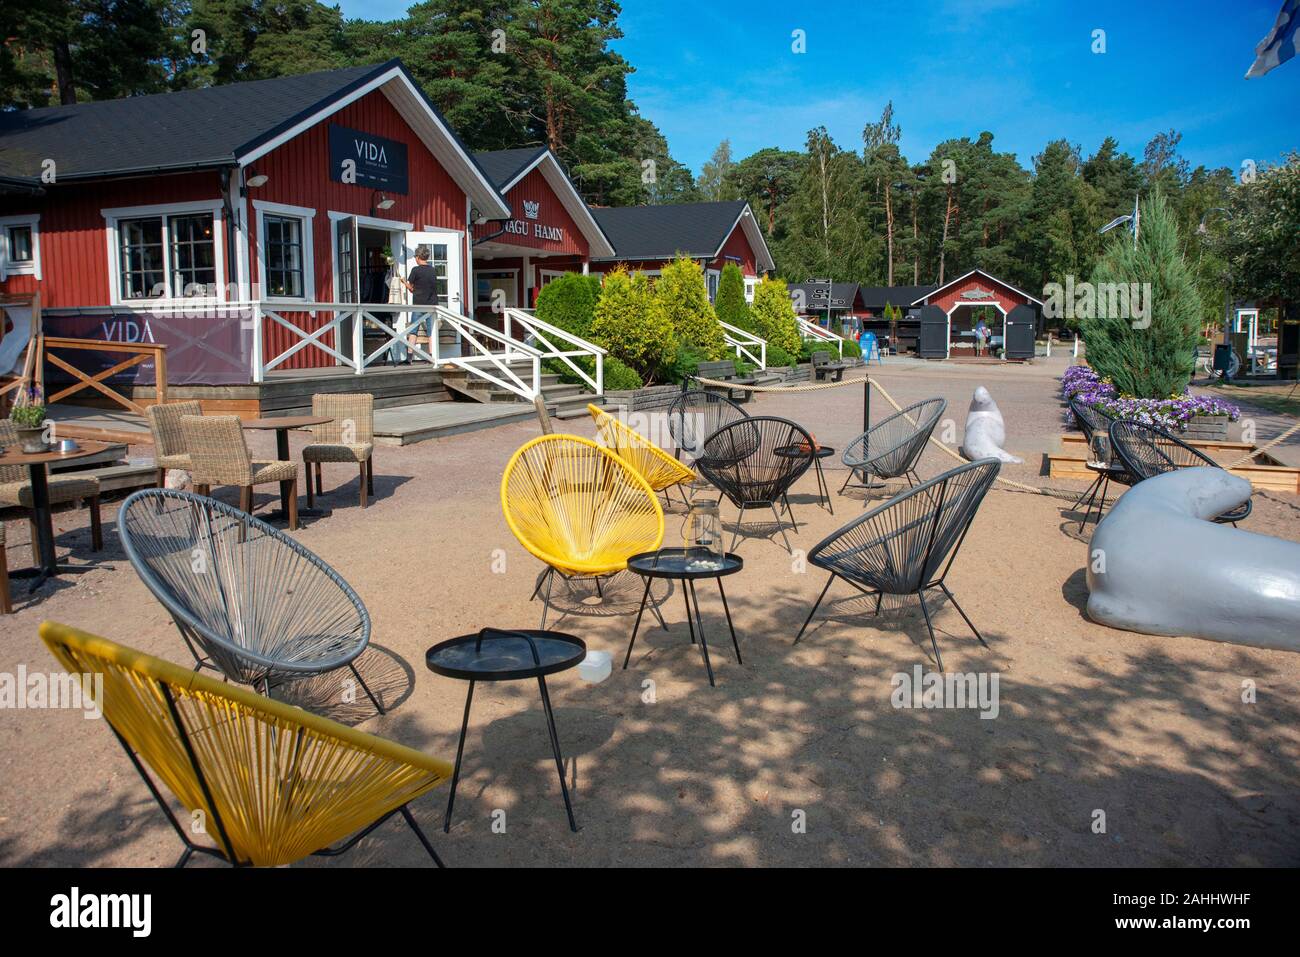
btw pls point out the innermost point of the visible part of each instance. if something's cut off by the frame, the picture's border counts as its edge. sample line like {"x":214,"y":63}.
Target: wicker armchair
{"x":348,"y":437}
{"x":168,"y":439}
{"x":695,"y":415}
{"x":891,"y":447}
{"x":248,"y":600}
{"x":742,"y":460}
{"x":16,"y":491}
{"x":274,"y":783}
{"x":656,"y":466}
{"x":219,"y":456}
{"x":907,"y":545}
{"x":579,"y":508}
{"x":1147,"y":451}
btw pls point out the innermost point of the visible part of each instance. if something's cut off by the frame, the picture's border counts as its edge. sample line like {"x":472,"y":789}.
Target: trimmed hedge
{"x":570,"y":303}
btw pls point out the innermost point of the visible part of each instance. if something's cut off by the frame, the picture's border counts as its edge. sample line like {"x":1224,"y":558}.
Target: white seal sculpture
{"x":1159,"y":565}
{"x":985,"y":431}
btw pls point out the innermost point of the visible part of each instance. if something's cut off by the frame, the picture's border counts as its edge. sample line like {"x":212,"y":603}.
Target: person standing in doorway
{"x":422,"y":282}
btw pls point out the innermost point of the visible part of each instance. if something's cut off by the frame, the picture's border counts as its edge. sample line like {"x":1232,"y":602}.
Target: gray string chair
{"x":741,"y":460}
{"x":248,"y":600}
{"x":891,"y":447}
{"x":1148,"y":451}
{"x":696,"y":414}
{"x":907,"y":545}
{"x":1091,"y":421}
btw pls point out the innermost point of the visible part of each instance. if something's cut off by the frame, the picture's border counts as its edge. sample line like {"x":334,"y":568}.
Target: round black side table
{"x":822,"y":452}
{"x":686,"y":565}
{"x":498,"y":655}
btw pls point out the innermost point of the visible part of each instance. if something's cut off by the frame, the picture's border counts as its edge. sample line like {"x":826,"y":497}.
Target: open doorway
{"x":967,"y":320}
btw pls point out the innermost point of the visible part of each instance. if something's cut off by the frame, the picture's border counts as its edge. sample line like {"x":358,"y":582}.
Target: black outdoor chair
{"x":249,"y":601}
{"x":1091,"y":421}
{"x":697,"y":414}
{"x":741,"y":459}
{"x":891,"y":447}
{"x":907,"y":545}
{"x":1147,"y":451}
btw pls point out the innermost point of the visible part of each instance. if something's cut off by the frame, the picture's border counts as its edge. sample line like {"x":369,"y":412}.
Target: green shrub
{"x":772,"y":315}
{"x":729,"y":304}
{"x":619,"y":376}
{"x":631,"y":324}
{"x":685,"y":363}
{"x":684,"y":300}
{"x":778,"y":357}
{"x":570,"y":302}
{"x":851,"y":349}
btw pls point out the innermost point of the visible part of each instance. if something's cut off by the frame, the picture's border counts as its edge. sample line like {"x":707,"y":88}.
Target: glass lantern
{"x":1099,"y":450}
{"x":702,"y":535}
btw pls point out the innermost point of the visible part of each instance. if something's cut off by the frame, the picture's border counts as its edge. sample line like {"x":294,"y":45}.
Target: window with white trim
{"x":283,"y":245}
{"x":19,"y":246}
{"x":751,"y":283}
{"x":713,"y":275}
{"x":167,"y":257}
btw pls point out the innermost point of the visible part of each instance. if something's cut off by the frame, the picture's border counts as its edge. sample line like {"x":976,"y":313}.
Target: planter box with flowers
{"x":1191,"y":416}
{"x":29,"y":422}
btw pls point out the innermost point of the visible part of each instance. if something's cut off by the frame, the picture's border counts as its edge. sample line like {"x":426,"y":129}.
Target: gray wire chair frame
{"x":1092,"y":420}
{"x":1148,"y":451}
{"x":696,"y":414}
{"x":742,"y":461}
{"x":249,"y":601}
{"x":891,"y":447}
{"x":907,"y":545}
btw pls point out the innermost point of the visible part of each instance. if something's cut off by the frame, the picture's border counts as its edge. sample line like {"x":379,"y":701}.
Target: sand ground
{"x":1152,"y":732}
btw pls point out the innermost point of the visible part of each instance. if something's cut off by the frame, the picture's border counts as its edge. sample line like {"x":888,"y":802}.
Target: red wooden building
{"x":159,"y":218}
{"x":646,"y":238}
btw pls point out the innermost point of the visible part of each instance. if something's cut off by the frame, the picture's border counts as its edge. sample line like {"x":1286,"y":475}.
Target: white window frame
{"x":9,"y":268}
{"x":307,"y":217}
{"x":711,"y":288}
{"x":751,"y":283}
{"x":164,"y":210}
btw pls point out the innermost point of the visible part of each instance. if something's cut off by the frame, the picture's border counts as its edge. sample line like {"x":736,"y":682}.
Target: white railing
{"x":810,"y":330}
{"x":484,"y":361}
{"x":744,"y":342}
{"x":544,"y":337}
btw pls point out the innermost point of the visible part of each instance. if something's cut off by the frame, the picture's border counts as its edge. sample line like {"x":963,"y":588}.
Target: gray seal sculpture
{"x":1159,"y":565}
{"x":985,"y":430}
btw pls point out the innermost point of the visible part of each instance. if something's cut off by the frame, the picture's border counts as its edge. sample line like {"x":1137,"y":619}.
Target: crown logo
{"x":530,"y":209}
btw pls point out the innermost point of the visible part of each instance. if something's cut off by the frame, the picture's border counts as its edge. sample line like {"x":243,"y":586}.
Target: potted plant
{"x":29,"y":421}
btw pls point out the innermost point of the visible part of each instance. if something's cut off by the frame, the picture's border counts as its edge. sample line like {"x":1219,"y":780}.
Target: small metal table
{"x":42,"y":514}
{"x":498,"y":655}
{"x":821,"y":452}
{"x":281,"y":426}
{"x":1106,"y":473}
{"x":682,"y":564}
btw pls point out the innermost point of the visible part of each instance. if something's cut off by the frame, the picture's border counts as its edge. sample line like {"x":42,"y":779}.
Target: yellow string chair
{"x":270,"y":783}
{"x":660,"y":470}
{"x":578,"y":507}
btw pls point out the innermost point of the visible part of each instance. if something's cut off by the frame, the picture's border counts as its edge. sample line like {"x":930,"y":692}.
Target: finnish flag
{"x":1279,"y":45}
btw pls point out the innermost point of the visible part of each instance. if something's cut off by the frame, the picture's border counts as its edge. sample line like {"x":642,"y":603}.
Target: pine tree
{"x":1150,"y":358}
{"x":729,"y":303}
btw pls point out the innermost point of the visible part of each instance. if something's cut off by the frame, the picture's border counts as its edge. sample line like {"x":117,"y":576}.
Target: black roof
{"x":501,"y":166}
{"x":660,"y":232}
{"x":877,"y":297}
{"x":200,"y":128}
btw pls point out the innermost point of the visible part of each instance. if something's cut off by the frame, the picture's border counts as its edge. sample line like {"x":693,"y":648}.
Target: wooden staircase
{"x":564,"y":400}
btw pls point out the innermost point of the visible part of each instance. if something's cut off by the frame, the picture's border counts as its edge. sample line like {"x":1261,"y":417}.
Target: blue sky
{"x":1022,"y":69}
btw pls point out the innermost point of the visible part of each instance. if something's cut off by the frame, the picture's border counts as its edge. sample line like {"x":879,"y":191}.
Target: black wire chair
{"x":1092,"y":421}
{"x":249,"y":601}
{"x":741,"y":460}
{"x":891,"y":447}
{"x":697,"y":414}
{"x":1148,"y":451}
{"x":907,"y":545}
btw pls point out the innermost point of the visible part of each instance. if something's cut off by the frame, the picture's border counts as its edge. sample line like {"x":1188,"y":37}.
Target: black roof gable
{"x":501,"y":166}
{"x":660,"y":232}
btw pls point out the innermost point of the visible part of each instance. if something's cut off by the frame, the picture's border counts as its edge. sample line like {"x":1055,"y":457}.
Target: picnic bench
{"x":823,"y":367}
{"x":725,"y":370}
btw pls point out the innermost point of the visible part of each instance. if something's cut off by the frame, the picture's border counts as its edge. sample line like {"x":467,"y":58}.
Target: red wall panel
{"x":551,"y":212}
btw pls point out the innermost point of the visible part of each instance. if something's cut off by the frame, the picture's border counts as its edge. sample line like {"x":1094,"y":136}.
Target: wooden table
{"x":36,"y":463}
{"x":281,"y":426}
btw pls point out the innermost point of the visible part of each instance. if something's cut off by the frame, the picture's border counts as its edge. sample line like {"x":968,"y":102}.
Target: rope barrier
{"x":817,"y":386}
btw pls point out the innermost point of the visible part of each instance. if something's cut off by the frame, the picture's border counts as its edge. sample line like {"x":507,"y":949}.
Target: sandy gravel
{"x":666,"y":771}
